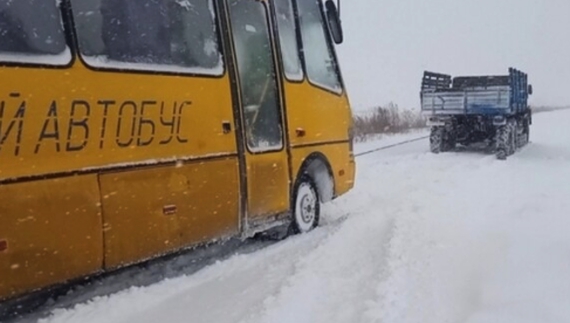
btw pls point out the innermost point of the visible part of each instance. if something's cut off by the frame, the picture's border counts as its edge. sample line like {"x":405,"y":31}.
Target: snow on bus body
{"x":105,"y":62}
{"x":60,"y":59}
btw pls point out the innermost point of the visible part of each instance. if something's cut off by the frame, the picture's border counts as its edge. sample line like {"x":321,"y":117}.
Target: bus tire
{"x":305,"y":206}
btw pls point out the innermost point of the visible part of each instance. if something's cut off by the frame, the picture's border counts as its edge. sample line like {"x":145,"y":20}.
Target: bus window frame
{"x":65,"y":16}
{"x":297,"y":40}
{"x":110,"y":69}
{"x":330,"y":46}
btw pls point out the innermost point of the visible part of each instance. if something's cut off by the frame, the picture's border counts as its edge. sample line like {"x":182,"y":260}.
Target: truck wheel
{"x":449,"y":140}
{"x":518,"y":135}
{"x":502,"y":140}
{"x":305,"y":206}
{"x":512,"y":138}
{"x":436,"y":140}
{"x":522,"y":134}
{"x":526,"y":133}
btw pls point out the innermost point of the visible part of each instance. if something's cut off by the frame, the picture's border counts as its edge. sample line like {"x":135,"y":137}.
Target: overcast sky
{"x":389,"y":43}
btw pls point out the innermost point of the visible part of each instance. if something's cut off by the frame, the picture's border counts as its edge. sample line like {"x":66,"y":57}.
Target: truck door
{"x":263,"y":131}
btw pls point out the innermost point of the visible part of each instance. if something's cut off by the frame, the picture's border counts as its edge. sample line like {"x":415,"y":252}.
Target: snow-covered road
{"x":455,"y":237}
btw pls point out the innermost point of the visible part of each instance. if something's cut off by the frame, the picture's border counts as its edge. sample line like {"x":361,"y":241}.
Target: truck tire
{"x":436,"y":143}
{"x":520,"y":134}
{"x":512,"y":144}
{"x":449,"y":140}
{"x":526,"y":131}
{"x":502,"y":141}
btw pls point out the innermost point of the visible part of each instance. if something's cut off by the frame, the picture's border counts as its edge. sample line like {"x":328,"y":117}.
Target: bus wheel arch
{"x":318,"y":168}
{"x":314,"y":184}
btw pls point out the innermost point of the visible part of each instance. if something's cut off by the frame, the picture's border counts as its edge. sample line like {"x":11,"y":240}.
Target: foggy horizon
{"x":389,"y":44}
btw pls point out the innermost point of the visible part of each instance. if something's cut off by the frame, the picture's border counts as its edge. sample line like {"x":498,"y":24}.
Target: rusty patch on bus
{"x":3,"y":245}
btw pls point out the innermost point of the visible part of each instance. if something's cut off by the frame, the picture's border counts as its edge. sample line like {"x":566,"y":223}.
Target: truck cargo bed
{"x":474,"y":95}
{"x":491,"y":100}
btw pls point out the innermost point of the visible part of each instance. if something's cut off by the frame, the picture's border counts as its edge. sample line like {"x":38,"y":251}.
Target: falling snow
{"x":455,"y":237}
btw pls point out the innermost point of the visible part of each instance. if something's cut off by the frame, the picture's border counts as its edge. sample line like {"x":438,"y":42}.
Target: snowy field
{"x":455,"y":237}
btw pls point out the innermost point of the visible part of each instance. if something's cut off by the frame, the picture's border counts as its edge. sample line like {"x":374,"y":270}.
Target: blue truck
{"x":464,"y":110}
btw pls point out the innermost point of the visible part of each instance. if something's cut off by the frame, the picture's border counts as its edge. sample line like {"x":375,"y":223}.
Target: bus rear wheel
{"x":305,"y":206}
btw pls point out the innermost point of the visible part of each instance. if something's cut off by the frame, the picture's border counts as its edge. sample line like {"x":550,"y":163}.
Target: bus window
{"x":30,"y":30}
{"x":319,"y":60}
{"x":288,"y":40}
{"x":257,"y":75}
{"x":155,"y":35}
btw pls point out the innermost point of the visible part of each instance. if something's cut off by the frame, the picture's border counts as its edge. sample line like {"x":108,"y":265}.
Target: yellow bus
{"x":130,"y":129}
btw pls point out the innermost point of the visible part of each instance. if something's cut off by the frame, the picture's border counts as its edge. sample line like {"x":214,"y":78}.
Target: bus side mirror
{"x":333,"y":20}
{"x":530,"y":89}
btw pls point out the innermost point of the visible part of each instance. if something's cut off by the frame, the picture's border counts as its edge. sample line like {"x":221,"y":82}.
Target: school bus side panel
{"x":316,"y":115}
{"x":79,"y":119}
{"x":152,"y":211}
{"x":57,"y":122}
{"x":319,"y":121}
{"x":147,"y":158}
{"x":51,"y":230}
{"x":268,"y":175}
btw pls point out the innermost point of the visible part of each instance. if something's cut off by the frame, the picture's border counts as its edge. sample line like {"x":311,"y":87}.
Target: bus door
{"x":263,"y":130}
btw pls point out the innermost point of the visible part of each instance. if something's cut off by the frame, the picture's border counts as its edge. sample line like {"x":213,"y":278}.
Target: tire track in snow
{"x":427,"y":229}
{"x":335,"y":280}
{"x":402,"y":283}
{"x":342,"y":268}
{"x":240,"y":283}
